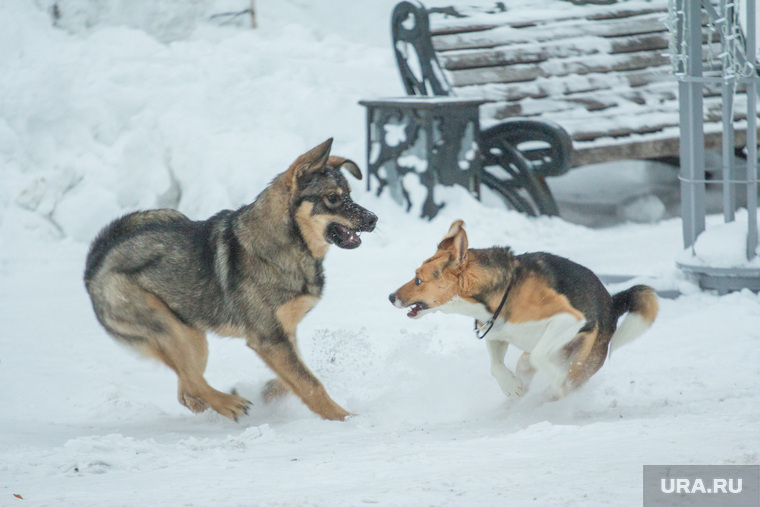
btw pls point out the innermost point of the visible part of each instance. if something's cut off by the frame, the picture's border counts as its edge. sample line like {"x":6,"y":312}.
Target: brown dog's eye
{"x":333,"y":199}
{"x":417,"y":281}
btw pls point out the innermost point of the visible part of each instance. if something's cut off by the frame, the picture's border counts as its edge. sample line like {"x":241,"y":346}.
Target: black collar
{"x":482,"y":331}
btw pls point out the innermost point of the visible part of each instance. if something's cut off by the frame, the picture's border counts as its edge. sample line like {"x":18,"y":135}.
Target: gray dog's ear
{"x":313,"y":160}
{"x":344,"y":163}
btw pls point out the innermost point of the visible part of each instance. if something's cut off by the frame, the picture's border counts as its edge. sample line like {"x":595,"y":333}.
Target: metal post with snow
{"x":720,"y":256}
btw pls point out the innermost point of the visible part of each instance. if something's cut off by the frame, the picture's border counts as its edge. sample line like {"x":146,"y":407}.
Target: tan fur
{"x":292,"y":312}
{"x":534,"y":300}
{"x":446,"y":286}
{"x":651,"y":306}
{"x":229,"y":331}
{"x":524,"y":370}
{"x":313,"y":229}
{"x":316,"y":157}
{"x":344,"y":163}
{"x":185,"y":350}
{"x":583,"y":363}
{"x":285,"y":361}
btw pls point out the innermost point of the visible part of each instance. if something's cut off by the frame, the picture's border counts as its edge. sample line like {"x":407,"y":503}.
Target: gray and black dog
{"x":159,"y":281}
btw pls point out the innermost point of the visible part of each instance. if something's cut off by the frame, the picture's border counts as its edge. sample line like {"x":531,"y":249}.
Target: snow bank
{"x":109,"y":119}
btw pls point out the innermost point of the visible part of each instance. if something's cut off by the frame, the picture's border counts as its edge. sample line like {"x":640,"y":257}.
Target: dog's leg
{"x":524,"y":370}
{"x":549,"y":356}
{"x":586,"y":357}
{"x":185,"y":350}
{"x":280,"y":355}
{"x":510,"y":385}
{"x":289,"y":315}
{"x":276,"y":388}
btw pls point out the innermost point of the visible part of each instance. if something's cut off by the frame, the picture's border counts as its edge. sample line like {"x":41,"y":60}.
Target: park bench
{"x":565,"y":85}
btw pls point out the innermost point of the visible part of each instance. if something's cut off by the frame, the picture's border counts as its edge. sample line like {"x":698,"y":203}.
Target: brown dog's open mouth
{"x":343,"y":237}
{"x":416,"y":308}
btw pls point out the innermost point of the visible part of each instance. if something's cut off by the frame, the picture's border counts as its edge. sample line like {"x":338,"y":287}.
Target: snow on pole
{"x":723,"y":257}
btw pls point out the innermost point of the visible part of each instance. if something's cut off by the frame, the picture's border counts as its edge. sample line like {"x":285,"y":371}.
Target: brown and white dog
{"x":556,"y":311}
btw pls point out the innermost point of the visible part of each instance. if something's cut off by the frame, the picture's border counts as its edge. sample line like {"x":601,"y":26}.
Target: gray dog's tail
{"x":641,"y":305}
{"x":119,"y":229}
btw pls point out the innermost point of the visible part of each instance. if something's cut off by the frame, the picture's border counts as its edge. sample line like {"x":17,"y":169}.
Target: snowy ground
{"x":97,"y":119}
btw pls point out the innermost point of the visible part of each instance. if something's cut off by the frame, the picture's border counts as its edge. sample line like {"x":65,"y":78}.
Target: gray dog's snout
{"x":370,"y":221}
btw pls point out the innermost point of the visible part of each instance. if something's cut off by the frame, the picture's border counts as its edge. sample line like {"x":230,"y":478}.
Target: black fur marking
{"x":589,"y":326}
{"x":110,"y":236}
{"x":629,"y":300}
{"x":135,"y":270}
{"x":233,"y":252}
{"x":501,"y":262}
{"x":119,"y":231}
{"x":294,"y":231}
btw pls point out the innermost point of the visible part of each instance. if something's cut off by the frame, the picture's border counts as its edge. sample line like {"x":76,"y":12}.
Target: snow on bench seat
{"x":600,"y":72}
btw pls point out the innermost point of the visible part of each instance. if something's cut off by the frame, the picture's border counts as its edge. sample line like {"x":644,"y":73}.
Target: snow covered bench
{"x":601,"y":72}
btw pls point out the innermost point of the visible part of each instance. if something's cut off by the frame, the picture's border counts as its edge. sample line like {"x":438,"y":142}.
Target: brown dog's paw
{"x":274,"y":390}
{"x":231,"y":406}
{"x":336,"y":413}
{"x":196,"y":405}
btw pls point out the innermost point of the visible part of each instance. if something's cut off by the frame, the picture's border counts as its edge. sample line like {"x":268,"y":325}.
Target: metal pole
{"x":727,"y":92}
{"x":692,"y":128}
{"x":751,"y":133}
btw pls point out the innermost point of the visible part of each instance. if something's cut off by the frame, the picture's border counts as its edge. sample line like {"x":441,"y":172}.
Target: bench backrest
{"x":601,"y":72}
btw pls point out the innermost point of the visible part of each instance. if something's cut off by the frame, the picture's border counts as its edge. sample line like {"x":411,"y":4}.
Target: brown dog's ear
{"x":459,"y":250}
{"x":456,"y":242}
{"x":312,"y":161}
{"x":445,"y":243}
{"x":344,"y":163}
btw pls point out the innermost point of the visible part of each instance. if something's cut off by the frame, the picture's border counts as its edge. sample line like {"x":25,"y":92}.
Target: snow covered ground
{"x":101,"y":116}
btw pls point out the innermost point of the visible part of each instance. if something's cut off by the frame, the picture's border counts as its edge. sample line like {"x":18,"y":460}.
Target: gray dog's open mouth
{"x":343,"y":237}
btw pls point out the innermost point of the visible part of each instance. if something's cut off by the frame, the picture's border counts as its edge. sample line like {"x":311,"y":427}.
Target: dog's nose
{"x":392,"y":298}
{"x":370,"y":221}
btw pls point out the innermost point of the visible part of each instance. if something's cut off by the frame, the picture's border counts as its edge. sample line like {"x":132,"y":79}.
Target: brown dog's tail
{"x":640,"y":303}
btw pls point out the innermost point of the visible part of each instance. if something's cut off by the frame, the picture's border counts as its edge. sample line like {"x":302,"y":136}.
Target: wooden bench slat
{"x":521,"y":18}
{"x":663,"y":144}
{"x":558,"y":67}
{"x":503,"y":35}
{"x":594,"y":101}
{"x":535,"y":53}
{"x":627,"y":121}
{"x":584,"y":102}
{"x":511,"y":92}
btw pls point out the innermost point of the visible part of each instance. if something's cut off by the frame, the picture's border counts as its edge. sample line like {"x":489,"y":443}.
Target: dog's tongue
{"x":349,"y":238}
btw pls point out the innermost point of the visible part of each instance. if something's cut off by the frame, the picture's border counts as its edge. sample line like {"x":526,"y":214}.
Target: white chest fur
{"x":524,"y":335}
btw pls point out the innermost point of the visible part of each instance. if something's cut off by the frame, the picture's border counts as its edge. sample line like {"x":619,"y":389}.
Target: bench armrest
{"x":420,"y":70}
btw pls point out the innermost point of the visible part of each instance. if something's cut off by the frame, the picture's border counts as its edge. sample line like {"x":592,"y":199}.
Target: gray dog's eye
{"x":333,"y":199}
